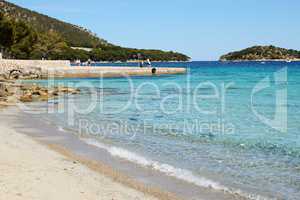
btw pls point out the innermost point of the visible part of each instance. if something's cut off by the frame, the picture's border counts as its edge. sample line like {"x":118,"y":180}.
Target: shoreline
{"x":150,"y":182}
{"x":113,"y":183}
{"x":138,"y":178}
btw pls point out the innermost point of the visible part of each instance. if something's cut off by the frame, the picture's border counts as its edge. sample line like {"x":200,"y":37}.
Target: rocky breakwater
{"x":12,"y":92}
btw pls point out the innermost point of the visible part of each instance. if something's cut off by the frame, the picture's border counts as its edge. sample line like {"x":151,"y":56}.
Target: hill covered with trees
{"x":26,"y":34}
{"x":73,"y":35}
{"x":262,"y":53}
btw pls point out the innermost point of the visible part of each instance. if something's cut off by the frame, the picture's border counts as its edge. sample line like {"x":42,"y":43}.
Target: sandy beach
{"x":30,"y":170}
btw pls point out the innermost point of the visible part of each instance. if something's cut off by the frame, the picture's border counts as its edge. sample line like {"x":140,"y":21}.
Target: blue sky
{"x":202,"y":29}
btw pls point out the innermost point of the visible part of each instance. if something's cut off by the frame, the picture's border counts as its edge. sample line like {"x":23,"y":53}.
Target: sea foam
{"x":169,"y":170}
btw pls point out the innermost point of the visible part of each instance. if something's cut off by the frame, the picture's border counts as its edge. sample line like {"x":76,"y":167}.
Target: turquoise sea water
{"x":213,"y":127}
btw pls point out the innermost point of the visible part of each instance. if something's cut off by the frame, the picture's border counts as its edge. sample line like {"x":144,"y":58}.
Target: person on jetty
{"x":148,"y":63}
{"x":89,"y":62}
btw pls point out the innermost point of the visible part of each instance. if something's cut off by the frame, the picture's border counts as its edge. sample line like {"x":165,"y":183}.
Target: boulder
{"x":53,"y":92}
{"x":68,"y":90}
{"x":15,"y":74}
{"x":44,"y":97}
{"x":11,"y":92}
{"x":26,"y":97}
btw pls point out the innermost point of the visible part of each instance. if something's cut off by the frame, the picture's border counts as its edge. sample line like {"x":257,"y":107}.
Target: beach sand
{"x":30,"y":170}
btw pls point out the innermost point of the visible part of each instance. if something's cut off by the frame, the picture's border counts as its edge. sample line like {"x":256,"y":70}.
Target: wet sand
{"x":75,"y":162}
{"x":29,"y":170}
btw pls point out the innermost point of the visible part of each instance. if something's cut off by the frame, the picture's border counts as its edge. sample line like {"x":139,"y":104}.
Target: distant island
{"x":260,"y":53}
{"x":26,"y":34}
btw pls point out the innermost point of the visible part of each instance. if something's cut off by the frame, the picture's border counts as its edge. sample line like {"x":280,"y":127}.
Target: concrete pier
{"x":94,"y":72}
{"x":62,"y":69}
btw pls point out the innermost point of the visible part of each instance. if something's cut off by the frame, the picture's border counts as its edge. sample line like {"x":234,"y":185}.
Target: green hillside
{"x":26,"y":34}
{"x":73,"y":35}
{"x":262,"y":53}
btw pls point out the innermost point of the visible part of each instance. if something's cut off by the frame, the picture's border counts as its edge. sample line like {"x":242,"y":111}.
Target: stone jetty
{"x":43,"y":69}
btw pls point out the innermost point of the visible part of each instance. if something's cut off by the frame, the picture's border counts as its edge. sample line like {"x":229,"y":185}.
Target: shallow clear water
{"x":202,"y":127}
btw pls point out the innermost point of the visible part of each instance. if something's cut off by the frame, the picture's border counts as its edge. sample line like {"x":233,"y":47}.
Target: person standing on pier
{"x":148,"y":63}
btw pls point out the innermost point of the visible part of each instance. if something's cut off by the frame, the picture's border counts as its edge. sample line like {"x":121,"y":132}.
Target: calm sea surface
{"x":227,"y":126}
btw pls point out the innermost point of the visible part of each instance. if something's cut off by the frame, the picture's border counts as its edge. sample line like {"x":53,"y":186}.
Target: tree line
{"x":20,"y":40}
{"x":262,"y":52}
